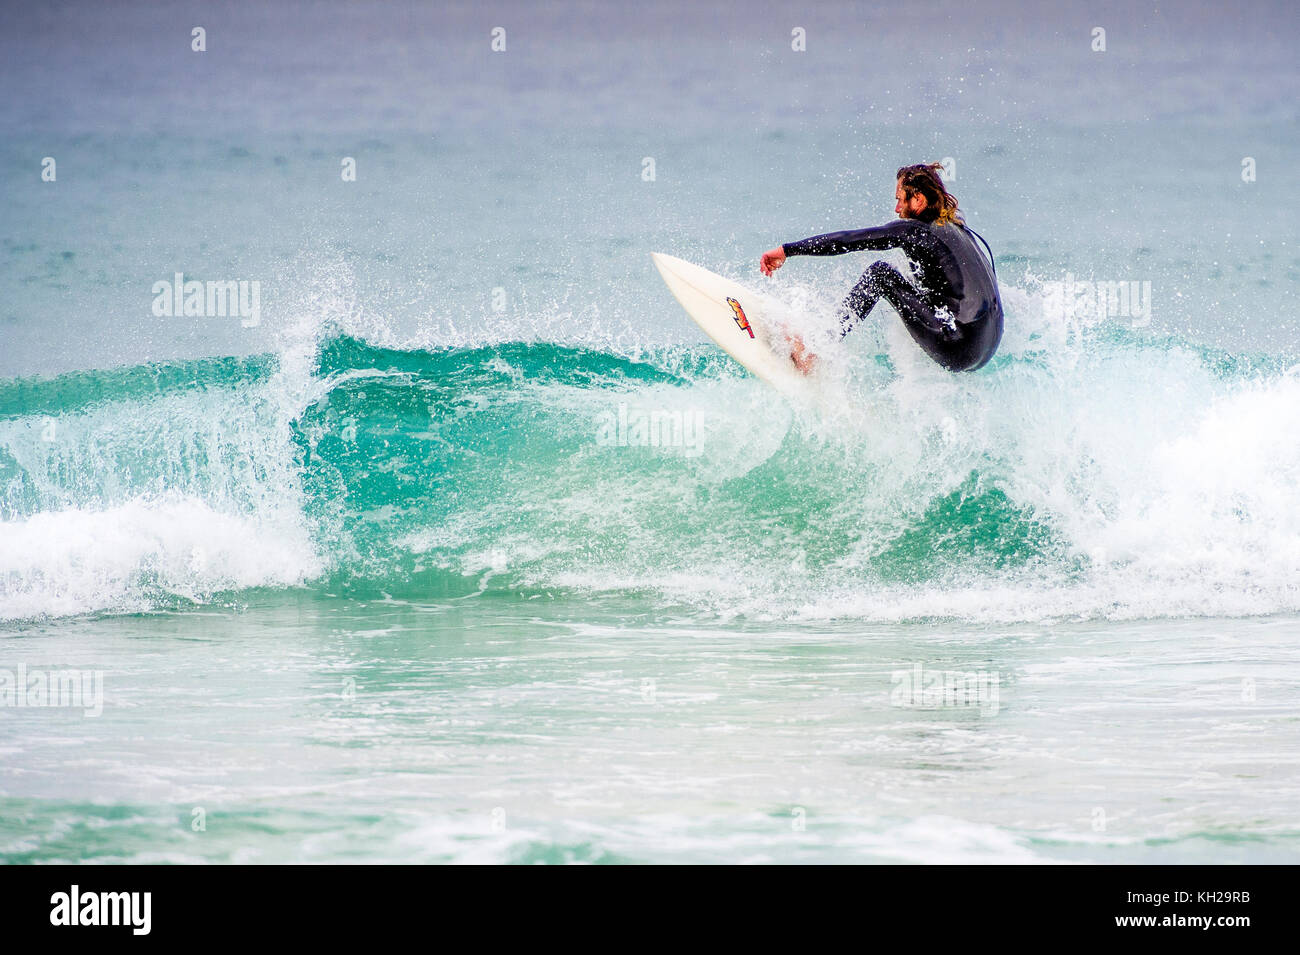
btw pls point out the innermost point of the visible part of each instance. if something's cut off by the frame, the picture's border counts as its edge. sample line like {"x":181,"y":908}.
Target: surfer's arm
{"x":888,"y":236}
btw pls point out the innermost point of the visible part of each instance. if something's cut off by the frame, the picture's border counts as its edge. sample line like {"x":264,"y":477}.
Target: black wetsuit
{"x":955,"y":314}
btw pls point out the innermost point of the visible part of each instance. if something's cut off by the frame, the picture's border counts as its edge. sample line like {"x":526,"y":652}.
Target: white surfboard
{"x":742,"y":322}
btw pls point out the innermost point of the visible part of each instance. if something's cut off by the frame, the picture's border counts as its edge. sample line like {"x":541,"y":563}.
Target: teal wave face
{"x":536,"y":468}
{"x":425,"y":469}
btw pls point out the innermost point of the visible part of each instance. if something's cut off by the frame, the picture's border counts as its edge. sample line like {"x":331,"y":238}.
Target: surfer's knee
{"x":868,"y":289}
{"x":878,"y":277}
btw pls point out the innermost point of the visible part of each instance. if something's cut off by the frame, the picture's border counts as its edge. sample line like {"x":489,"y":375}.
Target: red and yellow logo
{"x":741,"y":320}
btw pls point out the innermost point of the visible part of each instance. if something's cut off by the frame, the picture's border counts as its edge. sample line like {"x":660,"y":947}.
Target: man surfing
{"x":953,"y":312}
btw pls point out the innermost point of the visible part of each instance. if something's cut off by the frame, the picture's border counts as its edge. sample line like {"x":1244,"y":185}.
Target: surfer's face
{"x":908,"y":208}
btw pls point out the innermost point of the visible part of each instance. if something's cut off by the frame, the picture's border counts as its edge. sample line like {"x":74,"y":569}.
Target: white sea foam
{"x":1168,"y":488}
{"x":131,"y":556}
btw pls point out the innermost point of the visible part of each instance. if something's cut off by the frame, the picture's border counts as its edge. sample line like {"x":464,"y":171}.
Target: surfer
{"x":953,"y":312}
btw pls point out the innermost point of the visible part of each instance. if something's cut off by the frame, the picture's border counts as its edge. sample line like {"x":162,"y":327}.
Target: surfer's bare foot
{"x":803,"y":359}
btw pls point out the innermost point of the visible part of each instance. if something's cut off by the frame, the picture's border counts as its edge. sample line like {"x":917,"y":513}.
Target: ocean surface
{"x":464,"y":545}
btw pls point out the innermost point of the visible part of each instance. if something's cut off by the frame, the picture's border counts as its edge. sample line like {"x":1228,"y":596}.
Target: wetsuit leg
{"x":955,"y":346}
{"x":882,"y":280}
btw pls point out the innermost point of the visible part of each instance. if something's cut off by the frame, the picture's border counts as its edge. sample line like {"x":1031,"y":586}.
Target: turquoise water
{"x":504,"y":728}
{"x":388,"y":574}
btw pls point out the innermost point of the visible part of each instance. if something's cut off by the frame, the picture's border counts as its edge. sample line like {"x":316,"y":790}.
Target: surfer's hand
{"x":772,"y":260}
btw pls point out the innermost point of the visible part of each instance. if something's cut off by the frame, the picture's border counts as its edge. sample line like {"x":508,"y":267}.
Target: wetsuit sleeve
{"x":888,"y":236}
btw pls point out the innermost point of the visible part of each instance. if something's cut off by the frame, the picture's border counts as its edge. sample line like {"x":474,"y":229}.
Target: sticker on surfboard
{"x":739,"y":316}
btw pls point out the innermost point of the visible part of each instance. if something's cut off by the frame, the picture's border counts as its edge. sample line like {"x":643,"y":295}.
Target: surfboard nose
{"x":669,"y":265}
{"x":662,"y":263}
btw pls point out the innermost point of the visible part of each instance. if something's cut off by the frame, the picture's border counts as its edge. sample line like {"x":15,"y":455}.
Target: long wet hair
{"x":923,"y":179}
